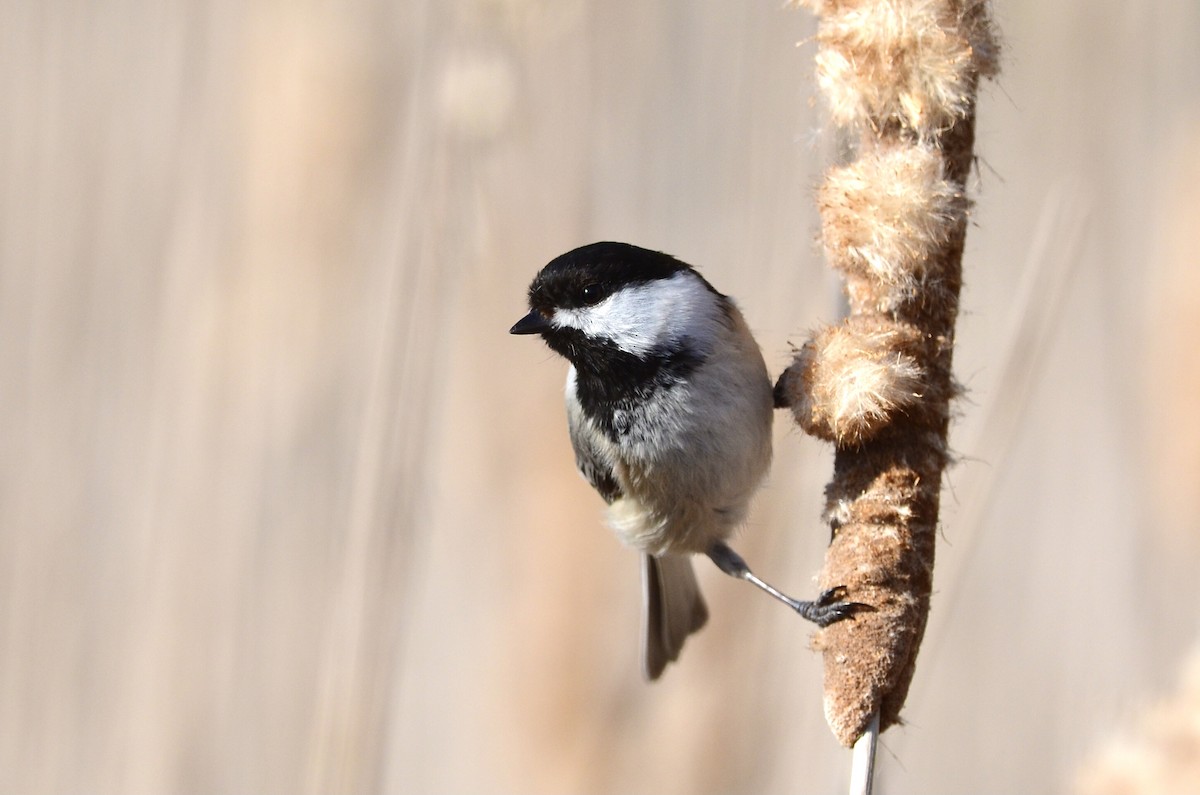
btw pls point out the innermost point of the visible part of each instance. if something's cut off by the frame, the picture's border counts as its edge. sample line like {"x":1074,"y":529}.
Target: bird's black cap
{"x":589,"y":274}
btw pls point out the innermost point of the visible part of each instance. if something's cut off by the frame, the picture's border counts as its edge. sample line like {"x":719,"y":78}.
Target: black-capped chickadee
{"x":669,"y":408}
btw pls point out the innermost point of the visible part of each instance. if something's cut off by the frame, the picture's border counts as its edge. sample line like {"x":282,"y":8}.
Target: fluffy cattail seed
{"x":849,"y":380}
{"x":884,"y":215}
{"x":912,"y":64}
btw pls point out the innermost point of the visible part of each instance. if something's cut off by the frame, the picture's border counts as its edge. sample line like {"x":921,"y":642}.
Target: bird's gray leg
{"x":827,"y":609}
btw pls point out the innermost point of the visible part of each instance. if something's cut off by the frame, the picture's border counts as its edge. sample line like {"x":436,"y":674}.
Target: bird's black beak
{"x":533,"y":323}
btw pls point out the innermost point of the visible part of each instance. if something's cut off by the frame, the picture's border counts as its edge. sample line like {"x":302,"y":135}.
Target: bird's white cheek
{"x":632,"y":329}
{"x":643,"y":317}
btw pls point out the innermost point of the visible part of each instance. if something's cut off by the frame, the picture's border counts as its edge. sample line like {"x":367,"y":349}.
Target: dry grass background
{"x":284,"y":508}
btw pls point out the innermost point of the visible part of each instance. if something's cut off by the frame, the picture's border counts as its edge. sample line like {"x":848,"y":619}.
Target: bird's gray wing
{"x":593,"y":462}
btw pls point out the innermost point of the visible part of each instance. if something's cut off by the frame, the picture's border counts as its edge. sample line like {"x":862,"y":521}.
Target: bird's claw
{"x":831,"y":607}
{"x":831,"y":595}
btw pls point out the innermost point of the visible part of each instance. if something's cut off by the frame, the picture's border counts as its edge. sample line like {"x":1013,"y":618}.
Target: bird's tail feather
{"x":674,"y":609}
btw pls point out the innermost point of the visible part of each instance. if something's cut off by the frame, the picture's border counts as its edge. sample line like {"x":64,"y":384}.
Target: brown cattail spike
{"x":903,"y":74}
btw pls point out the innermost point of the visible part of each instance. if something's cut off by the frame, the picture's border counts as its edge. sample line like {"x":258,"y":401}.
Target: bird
{"x":669,"y":409}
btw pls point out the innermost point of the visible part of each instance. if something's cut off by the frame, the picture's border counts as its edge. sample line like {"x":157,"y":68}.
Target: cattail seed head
{"x":909,"y":62}
{"x":849,"y":380}
{"x":885,"y":214}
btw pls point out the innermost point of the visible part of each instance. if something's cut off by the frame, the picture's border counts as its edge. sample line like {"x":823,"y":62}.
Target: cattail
{"x":902,"y":75}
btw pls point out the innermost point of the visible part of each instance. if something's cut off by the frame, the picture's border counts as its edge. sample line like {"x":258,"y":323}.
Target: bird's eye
{"x":592,"y":294}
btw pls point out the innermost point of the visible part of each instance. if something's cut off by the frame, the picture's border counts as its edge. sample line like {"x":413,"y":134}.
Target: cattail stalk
{"x":902,"y":76}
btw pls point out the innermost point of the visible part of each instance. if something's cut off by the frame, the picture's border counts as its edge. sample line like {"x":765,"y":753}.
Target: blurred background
{"x":284,"y":508}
